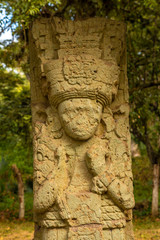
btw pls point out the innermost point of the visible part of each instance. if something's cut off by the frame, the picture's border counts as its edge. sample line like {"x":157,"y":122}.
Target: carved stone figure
{"x":82,"y":168}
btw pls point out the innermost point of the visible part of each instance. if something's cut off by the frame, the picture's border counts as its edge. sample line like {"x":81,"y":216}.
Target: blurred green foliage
{"x":15,"y":140}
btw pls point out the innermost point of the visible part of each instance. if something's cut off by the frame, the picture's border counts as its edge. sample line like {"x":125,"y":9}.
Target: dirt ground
{"x":147,"y":234}
{"x":16,"y":230}
{"x":146,"y":229}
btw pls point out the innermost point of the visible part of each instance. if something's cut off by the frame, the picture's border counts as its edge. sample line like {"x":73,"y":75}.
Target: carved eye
{"x":50,"y":120}
{"x":72,"y":81}
{"x":39,"y":156}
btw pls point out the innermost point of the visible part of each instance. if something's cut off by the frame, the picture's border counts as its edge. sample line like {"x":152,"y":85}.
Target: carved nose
{"x":82,"y":119}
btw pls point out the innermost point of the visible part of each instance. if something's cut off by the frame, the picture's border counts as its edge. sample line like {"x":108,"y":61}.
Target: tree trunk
{"x":155,"y":190}
{"x":18,"y":176}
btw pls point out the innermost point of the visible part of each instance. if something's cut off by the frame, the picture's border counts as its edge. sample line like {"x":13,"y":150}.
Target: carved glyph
{"x":82,"y":166}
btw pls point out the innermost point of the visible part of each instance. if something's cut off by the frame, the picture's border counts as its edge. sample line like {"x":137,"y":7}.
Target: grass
{"x":145,"y":229}
{"x":16,"y":230}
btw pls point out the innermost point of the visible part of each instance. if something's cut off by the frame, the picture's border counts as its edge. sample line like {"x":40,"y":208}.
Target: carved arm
{"x":103,"y":181}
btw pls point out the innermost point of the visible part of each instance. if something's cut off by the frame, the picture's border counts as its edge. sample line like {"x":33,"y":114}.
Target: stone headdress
{"x":82,"y":76}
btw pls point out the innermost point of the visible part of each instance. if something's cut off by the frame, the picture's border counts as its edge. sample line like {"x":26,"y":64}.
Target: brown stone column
{"x":82,"y":163}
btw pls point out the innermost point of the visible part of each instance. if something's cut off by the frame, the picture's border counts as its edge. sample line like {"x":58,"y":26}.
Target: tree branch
{"x":150,"y":151}
{"x":147,"y":85}
{"x":18,"y":176}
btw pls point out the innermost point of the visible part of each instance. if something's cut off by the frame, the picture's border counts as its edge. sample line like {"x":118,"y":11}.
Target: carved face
{"x":80,"y":117}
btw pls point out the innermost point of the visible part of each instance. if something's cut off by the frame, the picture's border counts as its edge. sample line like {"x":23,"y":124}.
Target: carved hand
{"x":98,"y":185}
{"x":63,"y":206}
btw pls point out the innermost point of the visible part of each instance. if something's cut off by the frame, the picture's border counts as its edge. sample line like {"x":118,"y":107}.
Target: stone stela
{"x":82,"y":163}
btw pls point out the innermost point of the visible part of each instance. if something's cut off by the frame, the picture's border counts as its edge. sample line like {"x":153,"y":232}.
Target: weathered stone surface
{"x":82,"y":166}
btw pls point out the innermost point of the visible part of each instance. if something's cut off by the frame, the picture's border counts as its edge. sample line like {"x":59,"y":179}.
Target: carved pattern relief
{"x":82,"y":166}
